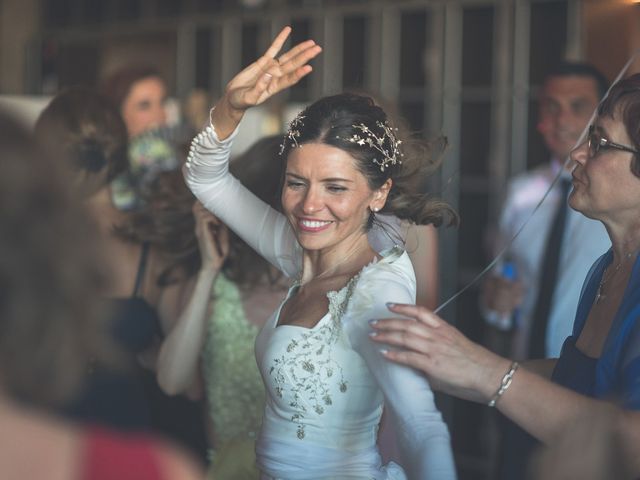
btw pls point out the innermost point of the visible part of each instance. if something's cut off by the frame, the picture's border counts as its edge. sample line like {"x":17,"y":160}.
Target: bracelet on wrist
{"x":504,"y":384}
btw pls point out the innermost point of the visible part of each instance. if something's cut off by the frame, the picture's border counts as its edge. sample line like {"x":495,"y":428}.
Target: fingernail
{"x":390,"y":304}
{"x":383,"y":351}
{"x":373,"y":321}
{"x":373,"y":334}
{"x":268,"y":76}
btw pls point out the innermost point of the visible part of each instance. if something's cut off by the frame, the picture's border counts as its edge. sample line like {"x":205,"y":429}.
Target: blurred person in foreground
{"x":50,"y":279}
{"x":148,"y":292}
{"x":600,"y":361}
{"x":590,"y":449}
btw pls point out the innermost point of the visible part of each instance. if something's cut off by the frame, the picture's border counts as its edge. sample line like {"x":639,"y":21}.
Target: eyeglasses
{"x":597,"y":142}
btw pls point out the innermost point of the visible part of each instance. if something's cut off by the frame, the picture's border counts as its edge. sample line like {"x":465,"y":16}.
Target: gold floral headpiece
{"x":293,"y":133}
{"x":391,"y":155}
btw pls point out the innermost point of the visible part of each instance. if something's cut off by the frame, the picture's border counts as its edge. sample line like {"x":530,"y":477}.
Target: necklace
{"x":333,"y":268}
{"x":600,"y":295}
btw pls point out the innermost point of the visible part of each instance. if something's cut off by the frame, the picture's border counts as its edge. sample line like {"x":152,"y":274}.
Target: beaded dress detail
{"x":307,"y":375}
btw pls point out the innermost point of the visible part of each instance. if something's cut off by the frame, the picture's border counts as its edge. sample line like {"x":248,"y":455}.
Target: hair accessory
{"x":390,"y":156}
{"x":504,"y":384}
{"x":293,"y":133}
{"x":89,"y":155}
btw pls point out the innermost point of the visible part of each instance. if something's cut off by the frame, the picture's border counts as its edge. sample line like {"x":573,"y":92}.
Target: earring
{"x":375,"y":209}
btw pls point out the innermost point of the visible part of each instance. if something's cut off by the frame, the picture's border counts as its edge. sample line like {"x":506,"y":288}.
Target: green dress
{"x":234,"y":388}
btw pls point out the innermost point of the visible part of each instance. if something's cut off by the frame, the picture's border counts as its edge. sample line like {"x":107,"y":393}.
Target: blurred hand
{"x":502,"y":295}
{"x":452,"y":363}
{"x":213,"y":238}
{"x":269,"y":75}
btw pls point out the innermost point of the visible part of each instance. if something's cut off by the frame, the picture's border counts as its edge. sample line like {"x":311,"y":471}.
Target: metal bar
{"x":575,"y":31}
{"x":500,"y":146}
{"x":520,"y":112}
{"x":389,"y":67}
{"x":185,"y":58}
{"x":231,"y":49}
{"x":451,"y":106}
{"x":333,"y":42}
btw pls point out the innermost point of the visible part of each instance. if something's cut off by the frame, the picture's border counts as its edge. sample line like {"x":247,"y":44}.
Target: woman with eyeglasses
{"x":599,"y":366}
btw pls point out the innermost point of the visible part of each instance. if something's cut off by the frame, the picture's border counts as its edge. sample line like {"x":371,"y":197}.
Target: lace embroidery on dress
{"x":338,"y":300}
{"x":307,"y":373}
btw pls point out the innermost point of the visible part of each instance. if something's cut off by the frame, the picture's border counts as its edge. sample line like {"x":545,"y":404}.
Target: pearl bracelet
{"x":504,"y":384}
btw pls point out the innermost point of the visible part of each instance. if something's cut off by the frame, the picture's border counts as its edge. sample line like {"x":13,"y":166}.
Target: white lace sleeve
{"x":423,"y":437}
{"x":263,"y":228}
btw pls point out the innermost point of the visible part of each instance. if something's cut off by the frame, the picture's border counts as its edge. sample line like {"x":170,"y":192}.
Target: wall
{"x":612,"y":34}
{"x":19,"y":23}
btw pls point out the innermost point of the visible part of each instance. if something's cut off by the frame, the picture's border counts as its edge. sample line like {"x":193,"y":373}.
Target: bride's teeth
{"x":311,"y":224}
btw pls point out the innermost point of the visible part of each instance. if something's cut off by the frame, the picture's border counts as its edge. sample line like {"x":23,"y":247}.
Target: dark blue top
{"x":118,"y":398}
{"x":616,"y":374}
{"x":131,"y":399}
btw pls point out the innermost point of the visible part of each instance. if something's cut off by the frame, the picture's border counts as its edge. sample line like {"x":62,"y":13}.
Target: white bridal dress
{"x":327,"y":385}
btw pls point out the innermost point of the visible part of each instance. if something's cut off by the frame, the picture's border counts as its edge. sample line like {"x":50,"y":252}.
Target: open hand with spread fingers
{"x":451,"y":362}
{"x":267,"y":76}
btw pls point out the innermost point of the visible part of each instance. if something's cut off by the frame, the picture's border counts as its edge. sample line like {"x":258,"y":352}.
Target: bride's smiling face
{"x":325,"y":197}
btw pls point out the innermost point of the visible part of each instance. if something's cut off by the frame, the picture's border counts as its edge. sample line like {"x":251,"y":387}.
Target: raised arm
{"x":178,"y":363}
{"x":261,"y":80}
{"x":263,"y":228}
{"x":422,"y":436}
{"x":206,"y":169}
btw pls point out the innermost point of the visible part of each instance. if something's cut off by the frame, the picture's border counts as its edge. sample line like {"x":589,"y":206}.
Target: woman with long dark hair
{"x":326,"y":384}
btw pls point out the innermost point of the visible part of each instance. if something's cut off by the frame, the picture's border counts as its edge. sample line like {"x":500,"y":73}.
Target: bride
{"x":326,"y":382}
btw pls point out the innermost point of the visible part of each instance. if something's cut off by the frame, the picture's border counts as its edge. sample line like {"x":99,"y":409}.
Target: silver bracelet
{"x":504,"y":384}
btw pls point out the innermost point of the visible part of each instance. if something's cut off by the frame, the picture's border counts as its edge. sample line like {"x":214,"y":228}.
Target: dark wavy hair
{"x":50,"y":275}
{"x":166,"y":220}
{"x":624,"y":101}
{"x":81,"y":127}
{"x":117,"y":86}
{"x":332,"y":121}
